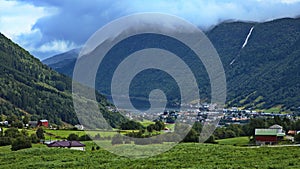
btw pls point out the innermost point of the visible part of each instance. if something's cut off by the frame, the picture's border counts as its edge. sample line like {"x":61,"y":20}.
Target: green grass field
{"x":66,"y":133}
{"x":238,"y":141}
{"x":186,"y":155}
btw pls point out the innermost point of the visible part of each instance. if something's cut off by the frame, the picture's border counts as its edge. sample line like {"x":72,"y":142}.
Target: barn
{"x":270,"y":136}
{"x":44,"y":123}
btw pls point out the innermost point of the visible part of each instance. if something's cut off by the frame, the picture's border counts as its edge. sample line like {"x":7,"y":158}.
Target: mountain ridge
{"x":265,"y":71}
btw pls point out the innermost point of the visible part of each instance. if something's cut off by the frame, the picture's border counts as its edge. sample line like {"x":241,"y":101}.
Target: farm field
{"x":238,"y":141}
{"x":63,"y":134}
{"x":185,"y":155}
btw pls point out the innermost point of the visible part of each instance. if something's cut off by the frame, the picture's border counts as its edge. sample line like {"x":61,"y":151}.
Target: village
{"x":262,"y":135}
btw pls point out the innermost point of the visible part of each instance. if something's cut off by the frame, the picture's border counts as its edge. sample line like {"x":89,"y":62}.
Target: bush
{"x":84,"y":138}
{"x":40,"y":133}
{"x":34,"y":138}
{"x":131,"y":125}
{"x":192,"y":136}
{"x":20,"y":142}
{"x":211,"y":139}
{"x":150,"y":128}
{"x":12,"y":133}
{"x":4,"y":141}
{"x":73,"y":137}
{"x":159,"y":125}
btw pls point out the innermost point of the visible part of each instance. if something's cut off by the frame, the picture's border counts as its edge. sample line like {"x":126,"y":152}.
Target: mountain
{"x":261,"y":62}
{"x":63,"y":62}
{"x":265,"y":73}
{"x":30,"y":88}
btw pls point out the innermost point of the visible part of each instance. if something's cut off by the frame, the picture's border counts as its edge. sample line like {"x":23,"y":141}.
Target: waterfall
{"x":245,"y":43}
{"x":248,"y":36}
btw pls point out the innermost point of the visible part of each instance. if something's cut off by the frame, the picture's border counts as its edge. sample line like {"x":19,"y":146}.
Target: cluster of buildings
{"x":236,"y":116}
{"x":32,"y":124}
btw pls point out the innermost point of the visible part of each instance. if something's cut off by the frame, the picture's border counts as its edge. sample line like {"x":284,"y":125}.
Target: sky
{"x":46,"y":28}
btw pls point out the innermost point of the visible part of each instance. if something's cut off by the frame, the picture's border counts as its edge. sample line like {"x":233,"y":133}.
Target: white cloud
{"x":56,"y":46}
{"x":17,"y":18}
{"x":56,"y":25}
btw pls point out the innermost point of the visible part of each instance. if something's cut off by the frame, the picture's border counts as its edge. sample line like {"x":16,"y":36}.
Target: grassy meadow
{"x":237,"y":141}
{"x":228,"y":153}
{"x":185,"y":155}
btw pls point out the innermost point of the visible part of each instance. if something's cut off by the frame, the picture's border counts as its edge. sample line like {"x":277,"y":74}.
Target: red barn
{"x":44,"y":123}
{"x":269,"y":136}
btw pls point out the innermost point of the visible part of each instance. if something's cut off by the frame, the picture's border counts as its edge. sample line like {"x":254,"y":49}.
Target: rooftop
{"x":66,"y":144}
{"x":268,"y":132}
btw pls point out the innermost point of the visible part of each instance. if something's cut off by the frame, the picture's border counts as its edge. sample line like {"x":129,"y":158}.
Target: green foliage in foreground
{"x":187,"y":155}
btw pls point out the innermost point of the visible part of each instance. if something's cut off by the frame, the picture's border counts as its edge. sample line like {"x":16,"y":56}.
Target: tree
{"x":12,"y":133}
{"x":229,"y":134}
{"x":84,"y":138}
{"x":150,"y":128}
{"x":40,"y":133}
{"x":192,"y":136}
{"x":11,"y":118}
{"x":159,"y":125}
{"x":73,"y":137}
{"x":256,"y":123}
{"x":24,"y":132}
{"x":211,"y":139}
{"x":26,"y":119}
{"x":17,"y":124}
{"x":20,"y":142}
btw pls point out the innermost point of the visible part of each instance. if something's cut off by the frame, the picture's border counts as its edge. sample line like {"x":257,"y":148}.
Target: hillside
{"x":261,"y":74}
{"x":28,"y":87}
{"x":265,"y":72}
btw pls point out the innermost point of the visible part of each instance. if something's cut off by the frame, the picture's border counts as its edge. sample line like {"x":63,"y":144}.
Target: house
{"x":44,"y":123}
{"x":272,"y":135}
{"x":75,"y":145}
{"x":79,"y":127}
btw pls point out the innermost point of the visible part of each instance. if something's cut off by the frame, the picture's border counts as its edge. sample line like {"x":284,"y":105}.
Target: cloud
{"x":59,"y":25}
{"x":18,"y":18}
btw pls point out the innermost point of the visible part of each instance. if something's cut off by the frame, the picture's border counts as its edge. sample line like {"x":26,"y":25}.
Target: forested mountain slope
{"x":28,"y":87}
{"x":262,"y":73}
